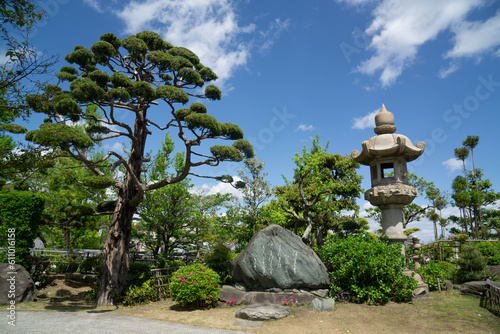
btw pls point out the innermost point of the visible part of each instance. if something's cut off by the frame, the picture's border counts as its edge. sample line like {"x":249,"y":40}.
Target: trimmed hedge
{"x":20,"y":220}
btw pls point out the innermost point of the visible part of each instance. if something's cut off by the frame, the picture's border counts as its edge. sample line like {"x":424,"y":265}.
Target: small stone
{"x":274,"y":290}
{"x":263,"y":312}
{"x":323,"y":305}
{"x":323,"y":293}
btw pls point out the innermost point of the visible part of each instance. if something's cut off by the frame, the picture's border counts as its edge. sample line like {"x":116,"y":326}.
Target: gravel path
{"x":95,"y":322}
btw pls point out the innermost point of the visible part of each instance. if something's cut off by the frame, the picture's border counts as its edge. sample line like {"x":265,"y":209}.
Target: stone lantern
{"x":387,"y":154}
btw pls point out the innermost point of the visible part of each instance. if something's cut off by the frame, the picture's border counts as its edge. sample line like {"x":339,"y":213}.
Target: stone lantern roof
{"x":387,"y":143}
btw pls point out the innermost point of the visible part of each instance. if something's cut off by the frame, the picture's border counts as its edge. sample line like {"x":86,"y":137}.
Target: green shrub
{"x":367,"y":270}
{"x":195,"y":286}
{"x":138,"y":273}
{"x":218,"y":259}
{"x":491,"y":251}
{"x":432,"y":250}
{"x":91,"y":265}
{"x":471,"y":265}
{"x":434,"y":270}
{"x":140,"y":294}
{"x":20,"y":220}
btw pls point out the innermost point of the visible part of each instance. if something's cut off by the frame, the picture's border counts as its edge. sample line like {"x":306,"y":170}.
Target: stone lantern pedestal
{"x":387,"y":154}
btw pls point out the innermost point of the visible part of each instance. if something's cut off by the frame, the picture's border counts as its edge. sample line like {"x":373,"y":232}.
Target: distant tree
{"x":137,"y":73}
{"x":324,"y":185}
{"x":471,"y":142}
{"x":462,"y":154}
{"x":255,"y":193}
{"x":206,"y":217}
{"x":492,"y":222}
{"x":486,"y":196}
{"x":20,"y":75}
{"x":165,"y":213}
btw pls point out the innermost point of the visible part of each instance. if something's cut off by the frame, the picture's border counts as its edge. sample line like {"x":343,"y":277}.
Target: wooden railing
{"x":162,"y":280}
{"x":491,"y":297}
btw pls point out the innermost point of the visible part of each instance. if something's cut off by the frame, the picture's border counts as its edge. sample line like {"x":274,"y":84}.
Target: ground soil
{"x":446,"y":312}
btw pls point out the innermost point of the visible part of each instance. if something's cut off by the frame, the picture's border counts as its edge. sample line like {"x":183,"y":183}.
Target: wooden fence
{"x":491,"y":297}
{"x":162,"y":280}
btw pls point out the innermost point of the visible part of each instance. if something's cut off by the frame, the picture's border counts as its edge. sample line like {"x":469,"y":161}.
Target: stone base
{"x":255,"y":297}
{"x":422,"y":290}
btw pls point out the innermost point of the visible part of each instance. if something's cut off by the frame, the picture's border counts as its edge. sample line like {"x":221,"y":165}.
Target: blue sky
{"x":291,"y":69}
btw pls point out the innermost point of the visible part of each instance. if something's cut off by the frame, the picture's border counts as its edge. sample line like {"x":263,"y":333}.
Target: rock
{"x":323,"y":305}
{"x":448,"y":284}
{"x":277,"y":258}
{"x":274,"y":290}
{"x":422,"y":290}
{"x":19,"y":278}
{"x":473,"y":288}
{"x":323,"y":293}
{"x":262,"y":312}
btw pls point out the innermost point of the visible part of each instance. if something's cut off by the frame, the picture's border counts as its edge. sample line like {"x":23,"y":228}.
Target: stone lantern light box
{"x":387,"y":154}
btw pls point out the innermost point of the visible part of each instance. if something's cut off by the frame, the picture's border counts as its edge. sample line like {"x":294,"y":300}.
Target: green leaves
{"x":82,"y":57}
{"x":369,"y":270}
{"x":98,"y":182}
{"x":240,"y":149}
{"x":102,"y":51}
{"x":172,"y":94}
{"x":196,"y":286}
{"x":136,"y":47}
{"x":13,"y":128}
{"x":212,"y":93}
{"x":153,"y":41}
{"x":59,"y":135}
{"x":244,"y":147}
{"x":226,"y":153}
{"x":86,"y":90}
{"x":232,"y":131}
{"x":203,"y":122}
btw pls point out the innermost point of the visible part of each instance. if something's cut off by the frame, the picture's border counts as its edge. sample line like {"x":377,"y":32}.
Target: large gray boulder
{"x":16,"y":284}
{"x":277,"y":258}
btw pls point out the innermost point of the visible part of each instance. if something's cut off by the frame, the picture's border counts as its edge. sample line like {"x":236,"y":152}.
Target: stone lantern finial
{"x":384,"y":122}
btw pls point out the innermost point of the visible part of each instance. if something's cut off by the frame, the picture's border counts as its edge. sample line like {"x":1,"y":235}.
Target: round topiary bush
{"x":366,"y":270}
{"x":195,"y":286}
{"x":471,"y":265}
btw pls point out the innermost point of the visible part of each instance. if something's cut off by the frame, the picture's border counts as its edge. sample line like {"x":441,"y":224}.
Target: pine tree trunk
{"x":116,"y":251}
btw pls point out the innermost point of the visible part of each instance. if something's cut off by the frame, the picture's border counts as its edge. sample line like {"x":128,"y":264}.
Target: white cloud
{"x":223,"y":188}
{"x":94,"y":4}
{"x":273,"y":33}
{"x":452,"y":164}
{"x":367,"y":121}
{"x":475,"y":38}
{"x":445,"y":72}
{"x":115,"y":147}
{"x":207,"y":27}
{"x":304,"y":127}
{"x":400,"y":27}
